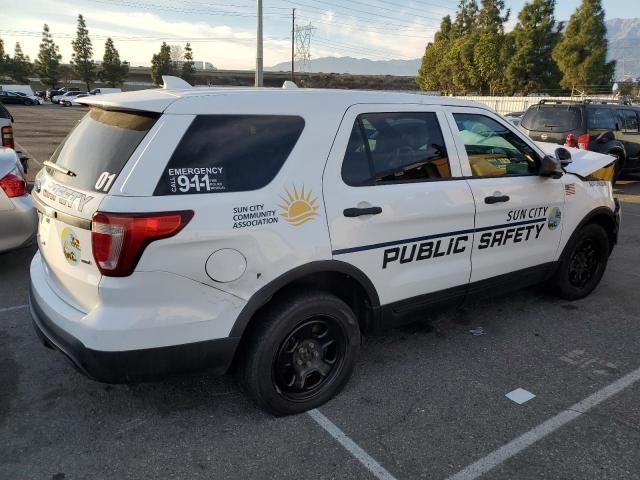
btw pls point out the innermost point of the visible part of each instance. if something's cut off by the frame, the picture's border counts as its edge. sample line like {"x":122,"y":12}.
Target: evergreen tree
{"x":47,"y":66}
{"x":488,"y":42}
{"x":114,"y":71}
{"x":581,"y":55}
{"x":188,"y":70}
{"x":532,"y":68}
{"x":434,"y":74}
{"x":20,"y":66}
{"x":161,"y":64}
{"x":4,"y":60}
{"x":82,"y":57}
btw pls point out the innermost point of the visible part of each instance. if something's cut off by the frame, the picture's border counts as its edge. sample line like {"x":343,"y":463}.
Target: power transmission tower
{"x":303,"y":46}
{"x":259,"y":55}
{"x":293,"y":42}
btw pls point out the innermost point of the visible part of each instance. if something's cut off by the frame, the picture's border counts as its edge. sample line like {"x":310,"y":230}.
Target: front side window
{"x":395,"y":147}
{"x":229,"y":153}
{"x":601,"y":119}
{"x":629,"y":121}
{"x":493,"y":149}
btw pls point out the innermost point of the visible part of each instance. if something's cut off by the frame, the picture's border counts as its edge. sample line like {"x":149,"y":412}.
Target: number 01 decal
{"x":104,"y":181}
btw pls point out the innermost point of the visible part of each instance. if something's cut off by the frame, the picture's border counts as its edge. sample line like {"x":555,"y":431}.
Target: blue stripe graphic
{"x":393,"y":243}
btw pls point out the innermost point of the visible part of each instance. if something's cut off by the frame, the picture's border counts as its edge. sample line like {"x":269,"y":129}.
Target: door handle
{"x":356,"y":212}
{"x":496,"y":199}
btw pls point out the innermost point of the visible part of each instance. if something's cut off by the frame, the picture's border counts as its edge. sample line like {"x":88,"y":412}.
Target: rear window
{"x":229,"y":153}
{"x":98,"y":148}
{"x":552,"y":118}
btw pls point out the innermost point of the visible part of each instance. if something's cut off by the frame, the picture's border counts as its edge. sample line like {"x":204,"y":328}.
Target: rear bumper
{"x":133,"y":365}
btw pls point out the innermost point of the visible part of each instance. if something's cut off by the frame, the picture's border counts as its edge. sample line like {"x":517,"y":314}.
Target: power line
{"x":374,"y":8}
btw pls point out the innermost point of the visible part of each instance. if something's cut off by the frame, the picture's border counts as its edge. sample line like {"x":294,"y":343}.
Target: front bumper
{"x":133,"y":365}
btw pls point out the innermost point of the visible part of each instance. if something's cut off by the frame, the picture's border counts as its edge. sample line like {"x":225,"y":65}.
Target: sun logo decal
{"x":298,"y":208}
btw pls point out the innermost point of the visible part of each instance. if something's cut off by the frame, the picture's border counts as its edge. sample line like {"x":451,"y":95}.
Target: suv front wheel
{"x":300,"y":353}
{"x":583,"y":263}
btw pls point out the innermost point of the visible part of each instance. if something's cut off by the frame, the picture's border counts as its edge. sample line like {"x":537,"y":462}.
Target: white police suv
{"x":269,"y":229}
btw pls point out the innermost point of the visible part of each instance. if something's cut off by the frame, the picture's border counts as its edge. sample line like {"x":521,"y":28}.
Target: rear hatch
{"x":69,"y":191}
{"x":552,"y":123}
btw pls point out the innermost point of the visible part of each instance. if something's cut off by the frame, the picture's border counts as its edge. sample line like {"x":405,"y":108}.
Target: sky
{"x":223,"y":31}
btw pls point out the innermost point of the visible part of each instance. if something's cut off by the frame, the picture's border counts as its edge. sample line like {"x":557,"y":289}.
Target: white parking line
{"x":15,"y":307}
{"x":363,"y":457}
{"x":527,"y":439}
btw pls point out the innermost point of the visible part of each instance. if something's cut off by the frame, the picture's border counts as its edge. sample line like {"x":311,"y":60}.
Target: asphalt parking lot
{"x":426,"y":402}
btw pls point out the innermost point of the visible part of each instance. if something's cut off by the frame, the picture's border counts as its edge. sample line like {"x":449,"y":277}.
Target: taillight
{"x":118,"y":239}
{"x":7,"y":137}
{"x":14,"y":184}
{"x":583,"y":141}
{"x":570,"y":141}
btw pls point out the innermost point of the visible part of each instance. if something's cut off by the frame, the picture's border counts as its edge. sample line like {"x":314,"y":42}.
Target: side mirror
{"x":550,"y":167}
{"x":563,"y":156}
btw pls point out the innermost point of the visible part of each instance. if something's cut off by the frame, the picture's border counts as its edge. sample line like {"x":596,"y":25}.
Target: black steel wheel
{"x":299,"y":352}
{"x":582,"y":263}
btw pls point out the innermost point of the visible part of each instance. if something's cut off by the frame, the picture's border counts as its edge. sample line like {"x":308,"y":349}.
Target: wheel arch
{"x":603,"y":216}
{"x":340,"y":278}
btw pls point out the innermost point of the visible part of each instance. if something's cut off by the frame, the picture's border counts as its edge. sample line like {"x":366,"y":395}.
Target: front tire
{"x":300,"y":354}
{"x":583,"y":263}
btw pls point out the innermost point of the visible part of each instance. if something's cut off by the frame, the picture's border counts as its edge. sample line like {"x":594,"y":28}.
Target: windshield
{"x":98,"y":148}
{"x":552,"y":118}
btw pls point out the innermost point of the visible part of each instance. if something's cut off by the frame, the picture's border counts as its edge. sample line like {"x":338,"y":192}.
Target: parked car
{"x":602,"y":126}
{"x":103,"y":90}
{"x":65,"y":96}
{"x":70,"y":99}
{"x":54,"y":92}
{"x":271,"y":229}
{"x":17,"y":99}
{"x":6,"y":135}
{"x":18,"y":218}
{"x":26,"y":89}
{"x":35,"y":100}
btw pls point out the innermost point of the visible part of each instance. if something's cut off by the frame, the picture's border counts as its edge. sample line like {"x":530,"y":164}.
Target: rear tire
{"x":618,"y":167}
{"x":583,"y":263}
{"x":300,"y":353}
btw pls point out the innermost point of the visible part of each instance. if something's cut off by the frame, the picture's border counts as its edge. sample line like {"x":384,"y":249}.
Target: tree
{"x":188,"y":70}
{"x":82,"y":57}
{"x":113,"y":71}
{"x":47,"y":66}
{"x":161,"y":64}
{"x":581,"y":54}
{"x":433,"y":74}
{"x":20,"y":66}
{"x":488,"y":43}
{"x":4,"y":60}
{"x":531,"y":68}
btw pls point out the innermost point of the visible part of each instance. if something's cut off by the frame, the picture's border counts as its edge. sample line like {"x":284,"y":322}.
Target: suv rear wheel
{"x":619,"y":165}
{"x":583,"y":263}
{"x":301,"y":353}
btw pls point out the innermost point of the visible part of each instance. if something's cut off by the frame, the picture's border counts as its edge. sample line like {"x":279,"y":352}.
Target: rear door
{"x":397,"y":207}
{"x":518,"y":213}
{"x":67,"y":194}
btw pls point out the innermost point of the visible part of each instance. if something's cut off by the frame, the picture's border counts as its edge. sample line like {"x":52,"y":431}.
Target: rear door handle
{"x":356,"y":212}
{"x":496,"y":199}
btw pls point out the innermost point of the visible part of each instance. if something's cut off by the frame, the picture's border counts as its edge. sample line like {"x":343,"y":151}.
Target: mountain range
{"x":624,"y":46}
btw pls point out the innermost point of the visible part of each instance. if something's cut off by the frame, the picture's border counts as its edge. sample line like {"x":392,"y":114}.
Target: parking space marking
{"x":363,"y":457}
{"x":15,"y":307}
{"x":504,"y":453}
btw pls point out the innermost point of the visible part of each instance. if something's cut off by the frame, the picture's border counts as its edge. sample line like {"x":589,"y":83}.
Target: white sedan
{"x":69,"y":100}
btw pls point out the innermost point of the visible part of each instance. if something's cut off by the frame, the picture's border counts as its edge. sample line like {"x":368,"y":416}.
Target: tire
{"x":583,"y":263}
{"x":300,"y":354}
{"x":67,"y":104}
{"x":27,"y":102}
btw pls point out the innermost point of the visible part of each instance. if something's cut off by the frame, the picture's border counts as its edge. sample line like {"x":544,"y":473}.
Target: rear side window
{"x":601,"y":119}
{"x":393,"y":148}
{"x":629,"y":120}
{"x":98,"y":148}
{"x":229,"y":153}
{"x":552,"y":118}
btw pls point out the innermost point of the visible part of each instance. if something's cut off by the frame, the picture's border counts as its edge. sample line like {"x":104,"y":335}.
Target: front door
{"x":397,"y":206}
{"x":518,"y":213}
